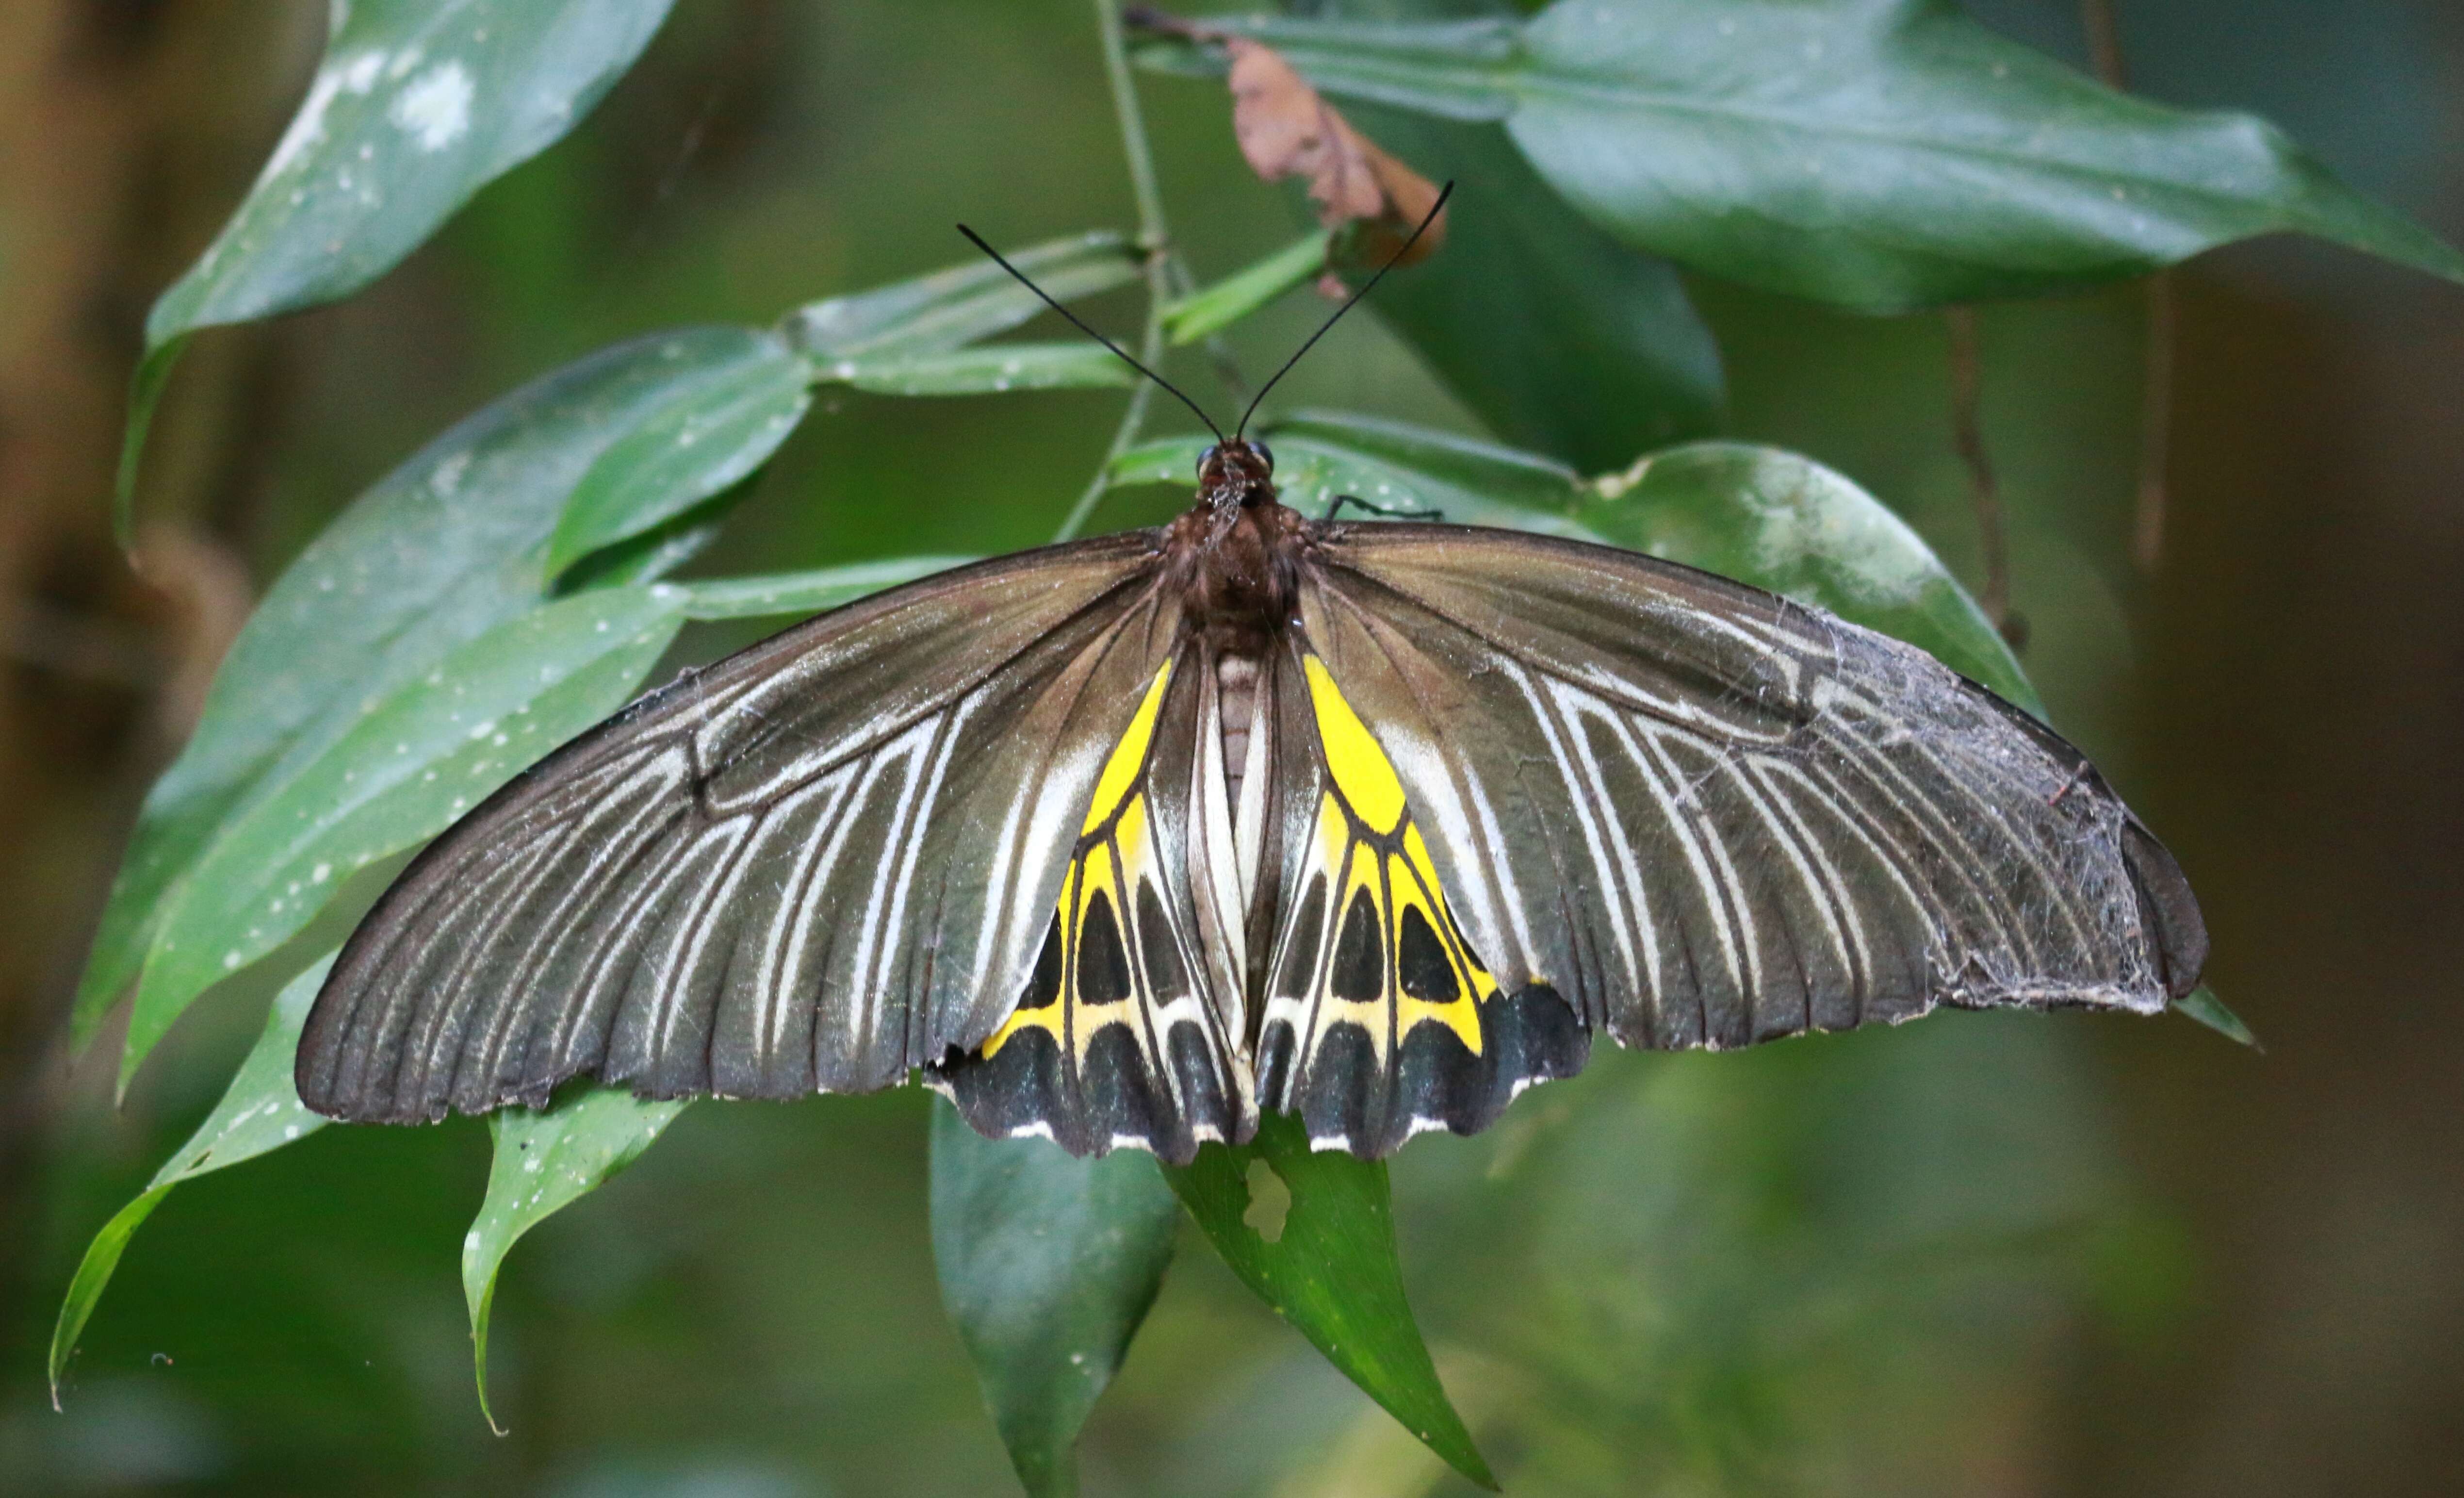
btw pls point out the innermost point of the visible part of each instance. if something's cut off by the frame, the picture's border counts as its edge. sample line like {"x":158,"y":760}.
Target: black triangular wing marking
{"x":1378,"y":1018}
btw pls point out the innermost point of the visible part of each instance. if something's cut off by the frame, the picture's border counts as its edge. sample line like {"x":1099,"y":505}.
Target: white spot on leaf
{"x":434,"y":108}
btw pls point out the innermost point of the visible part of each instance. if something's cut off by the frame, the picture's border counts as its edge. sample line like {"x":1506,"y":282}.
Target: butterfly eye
{"x":1209,"y":456}
{"x":1264,"y":451}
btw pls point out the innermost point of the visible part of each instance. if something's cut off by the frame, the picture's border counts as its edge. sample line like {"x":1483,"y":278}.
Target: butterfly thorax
{"x":1236,"y":555}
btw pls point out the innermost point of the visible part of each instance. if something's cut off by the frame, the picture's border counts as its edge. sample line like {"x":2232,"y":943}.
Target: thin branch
{"x":2104,"y":42}
{"x":2156,"y":397}
{"x":1985,"y":492}
{"x":1154,"y":241}
{"x":2155,"y":424}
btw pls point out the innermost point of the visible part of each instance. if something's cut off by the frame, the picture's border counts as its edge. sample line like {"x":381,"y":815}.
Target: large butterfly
{"x":1122,"y":841}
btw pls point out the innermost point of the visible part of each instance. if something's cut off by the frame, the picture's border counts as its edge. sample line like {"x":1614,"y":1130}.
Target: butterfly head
{"x":1236,"y":472}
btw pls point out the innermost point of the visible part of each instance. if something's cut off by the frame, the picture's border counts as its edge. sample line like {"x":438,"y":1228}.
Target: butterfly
{"x":1123,"y":841}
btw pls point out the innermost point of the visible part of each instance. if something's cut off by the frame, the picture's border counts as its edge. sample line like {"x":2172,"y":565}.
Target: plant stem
{"x":1155,"y":240}
{"x":2156,"y":402}
{"x":1985,"y":492}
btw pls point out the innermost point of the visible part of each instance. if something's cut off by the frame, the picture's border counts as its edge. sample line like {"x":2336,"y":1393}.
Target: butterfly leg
{"x":1395,"y":512}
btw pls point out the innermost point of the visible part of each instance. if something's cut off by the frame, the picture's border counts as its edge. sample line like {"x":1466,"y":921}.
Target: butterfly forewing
{"x":814,"y":865}
{"x":1707,"y":816}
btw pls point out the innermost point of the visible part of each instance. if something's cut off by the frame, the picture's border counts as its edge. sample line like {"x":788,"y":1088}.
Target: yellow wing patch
{"x":1117,"y":957}
{"x":1372,"y":942}
{"x":1360,"y":768}
{"x":1128,"y":759}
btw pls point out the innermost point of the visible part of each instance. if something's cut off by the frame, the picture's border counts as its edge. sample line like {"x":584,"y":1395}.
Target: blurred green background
{"x":1980,"y":1255}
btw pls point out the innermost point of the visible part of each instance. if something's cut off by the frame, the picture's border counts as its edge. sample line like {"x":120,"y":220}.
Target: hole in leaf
{"x":1271,"y":1202}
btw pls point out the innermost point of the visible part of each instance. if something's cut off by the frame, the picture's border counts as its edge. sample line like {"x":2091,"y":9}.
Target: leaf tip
{"x":2202,"y":1004}
{"x":479,"y":1357}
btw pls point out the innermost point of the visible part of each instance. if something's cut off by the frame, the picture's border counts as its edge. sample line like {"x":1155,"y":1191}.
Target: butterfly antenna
{"x":1349,"y":302}
{"x":978,"y":240}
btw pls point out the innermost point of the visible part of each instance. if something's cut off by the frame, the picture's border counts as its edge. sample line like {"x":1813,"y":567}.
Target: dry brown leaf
{"x":1285,"y":129}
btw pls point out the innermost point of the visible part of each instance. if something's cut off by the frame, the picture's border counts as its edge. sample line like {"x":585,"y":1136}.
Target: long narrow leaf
{"x":713,"y":427}
{"x":1881,"y":154}
{"x":545,"y":1162}
{"x":971,"y":300}
{"x":416,"y":106}
{"x":805,"y":592}
{"x":1047,"y":1265}
{"x":1330,"y":1269}
{"x":1211,"y":309}
{"x":259,"y":1112}
{"x":988,"y":369}
{"x":2203,"y":1005}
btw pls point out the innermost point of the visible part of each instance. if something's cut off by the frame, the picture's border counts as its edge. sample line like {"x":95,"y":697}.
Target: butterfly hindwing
{"x":1378,"y":1018}
{"x":1118,"y":1038}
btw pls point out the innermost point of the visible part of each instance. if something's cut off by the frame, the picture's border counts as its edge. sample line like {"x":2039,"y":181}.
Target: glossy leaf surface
{"x":713,"y":425}
{"x":545,"y":1161}
{"x":416,"y":105}
{"x":1047,"y":1265}
{"x":1879,"y":154}
{"x":1787,"y":523}
{"x":1330,"y":1269}
{"x":1559,"y":338}
{"x":971,"y":300}
{"x":992,"y":368}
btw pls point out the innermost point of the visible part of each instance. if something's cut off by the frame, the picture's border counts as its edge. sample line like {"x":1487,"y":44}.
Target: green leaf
{"x":418,"y":757}
{"x":970,"y":300}
{"x":1331,"y":1270}
{"x":1759,"y":514}
{"x":1047,"y":1265}
{"x":985,"y":371}
{"x":416,"y":105}
{"x":1879,"y":154}
{"x":713,"y":427}
{"x":1211,"y":309}
{"x":2203,"y":1005}
{"x":144,"y":393}
{"x":805,"y":592}
{"x":258,"y":1112}
{"x":442,"y":549}
{"x":1787,"y":523}
{"x":1560,"y":338}
{"x":545,"y":1162}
